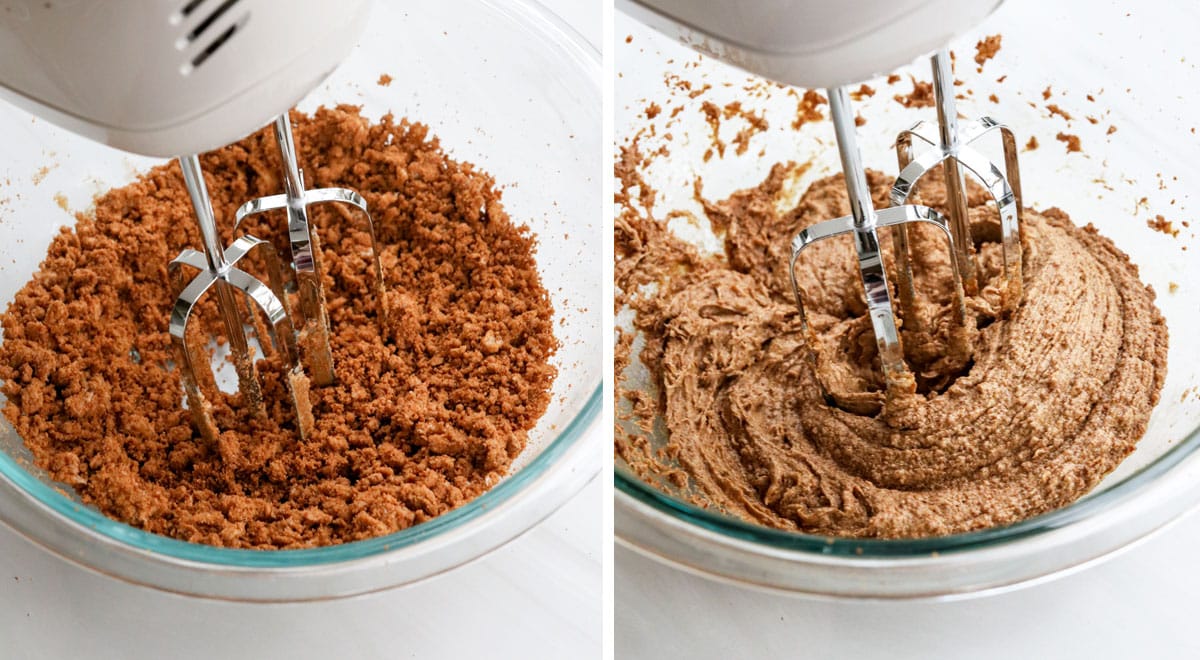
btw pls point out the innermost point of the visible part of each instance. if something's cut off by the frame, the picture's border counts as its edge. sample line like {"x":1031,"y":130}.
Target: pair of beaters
{"x":951,"y":149}
{"x":817,"y":44}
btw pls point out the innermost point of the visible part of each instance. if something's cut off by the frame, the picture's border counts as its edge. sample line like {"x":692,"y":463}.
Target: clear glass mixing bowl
{"x":1139,"y":66}
{"x":504,"y":84}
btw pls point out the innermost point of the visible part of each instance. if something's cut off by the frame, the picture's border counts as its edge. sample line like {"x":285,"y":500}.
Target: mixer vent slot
{"x":217,"y":43}
{"x":209,"y":20}
{"x":204,"y":28}
{"x":190,"y":7}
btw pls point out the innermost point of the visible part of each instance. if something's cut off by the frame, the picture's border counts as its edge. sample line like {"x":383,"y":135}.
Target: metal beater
{"x":863,"y":223}
{"x":305,"y":248}
{"x":952,"y":150}
{"x":218,"y":270}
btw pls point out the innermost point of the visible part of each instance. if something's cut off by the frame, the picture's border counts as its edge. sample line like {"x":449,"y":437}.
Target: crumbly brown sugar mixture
{"x":422,"y":417}
{"x":1048,"y":401}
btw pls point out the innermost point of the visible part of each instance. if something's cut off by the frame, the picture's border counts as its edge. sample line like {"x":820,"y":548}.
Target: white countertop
{"x":1139,"y":604}
{"x":541,"y":592}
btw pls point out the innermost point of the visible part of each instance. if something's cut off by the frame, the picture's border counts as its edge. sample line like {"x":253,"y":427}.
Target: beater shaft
{"x":314,"y":334}
{"x":305,"y":248}
{"x":227,"y":302}
{"x":952,"y":149}
{"x":218,"y":269}
{"x":956,"y":189}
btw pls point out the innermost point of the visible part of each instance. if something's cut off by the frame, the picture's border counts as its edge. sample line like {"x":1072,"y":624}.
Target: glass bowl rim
{"x":529,"y":13}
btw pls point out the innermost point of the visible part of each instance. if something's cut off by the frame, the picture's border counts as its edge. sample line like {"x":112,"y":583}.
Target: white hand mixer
{"x":176,"y":78}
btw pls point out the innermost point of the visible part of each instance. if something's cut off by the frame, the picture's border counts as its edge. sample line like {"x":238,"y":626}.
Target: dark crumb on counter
{"x":985,"y":50}
{"x":1046,"y":93}
{"x":893,"y":78}
{"x":993,"y":98}
{"x":864,"y":91}
{"x":1111,"y":129}
{"x":1072,"y":141}
{"x":921,"y":95}
{"x":629,"y":38}
{"x":713,"y":114}
{"x":652,"y":110}
{"x":1032,"y":143}
{"x":384,"y":80}
{"x":808,"y":109}
{"x":1162,"y":225}
{"x":1055,"y":110}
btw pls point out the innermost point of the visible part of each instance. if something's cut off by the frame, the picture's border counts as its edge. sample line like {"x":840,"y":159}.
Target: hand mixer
{"x":175,"y":78}
{"x":820,"y":44}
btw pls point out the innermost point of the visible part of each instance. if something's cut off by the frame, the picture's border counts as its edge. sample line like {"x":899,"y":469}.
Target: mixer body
{"x":170,"y":77}
{"x":812,"y":43}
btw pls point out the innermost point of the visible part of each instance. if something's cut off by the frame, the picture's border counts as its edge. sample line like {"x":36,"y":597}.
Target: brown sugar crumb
{"x":652,"y":110}
{"x":425,"y":415}
{"x":1161,"y":224}
{"x":629,"y":38}
{"x":1111,"y":129}
{"x":384,"y":80}
{"x":1072,"y":141}
{"x":859,"y":120}
{"x":986,"y":49}
{"x":1002,"y":78}
{"x":1046,"y":93}
{"x":864,"y":91}
{"x":1091,"y":98}
{"x":808,"y":108}
{"x":893,"y":78}
{"x":1172,"y":287}
{"x":41,"y":174}
{"x":1032,"y":143}
{"x":712,"y":114}
{"x":754,"y":123}
{"x":993,"y":98}
{"x":921,"y":95}
{"x":1055,"y":110}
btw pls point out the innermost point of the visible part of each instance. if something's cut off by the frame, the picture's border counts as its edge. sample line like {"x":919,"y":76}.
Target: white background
{"x":1141,"y":604}
{"x":537,"y":597}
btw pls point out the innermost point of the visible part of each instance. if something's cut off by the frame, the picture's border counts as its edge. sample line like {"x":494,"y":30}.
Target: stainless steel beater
{"x":305,"y":249}
{"x":952,"y":150}
{"x":863,"y":224}
{"x":219,"y":271}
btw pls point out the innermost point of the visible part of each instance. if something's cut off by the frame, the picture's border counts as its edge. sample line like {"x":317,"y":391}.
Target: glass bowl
{"x":1123,"y":178}
{"x":504,"y":84}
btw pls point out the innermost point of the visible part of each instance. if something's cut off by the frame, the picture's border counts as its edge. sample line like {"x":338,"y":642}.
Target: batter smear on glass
{"x":424,"y":415}
{"x":1048,"y":401}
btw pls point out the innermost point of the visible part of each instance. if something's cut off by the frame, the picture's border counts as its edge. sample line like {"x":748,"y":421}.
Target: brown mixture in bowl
{"x":421,"y":418}
{"x":1050,"y":400}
